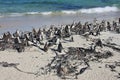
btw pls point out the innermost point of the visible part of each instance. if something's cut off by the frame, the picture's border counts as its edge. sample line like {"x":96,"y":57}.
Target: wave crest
{"x":88,"y":11}
{"x":99,"y":10}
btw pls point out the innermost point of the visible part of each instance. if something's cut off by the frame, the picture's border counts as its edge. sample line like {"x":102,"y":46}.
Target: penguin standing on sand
{"x":108,"y":26}
{"x":98,"y":43}
{"x":46,"y":47}
{"x":72,"y":40}
{"x":60,"y":47}
{"x":119,"y":20}
{"x":57,"y":41}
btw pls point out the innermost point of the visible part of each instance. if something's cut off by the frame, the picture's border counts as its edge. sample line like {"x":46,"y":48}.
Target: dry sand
{"x":32,"y":59}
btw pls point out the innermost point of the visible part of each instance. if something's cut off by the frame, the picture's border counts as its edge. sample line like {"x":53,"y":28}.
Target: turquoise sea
{"x":46,"y":7}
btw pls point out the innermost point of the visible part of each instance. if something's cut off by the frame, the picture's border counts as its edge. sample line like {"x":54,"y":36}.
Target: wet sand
{"x":29,"y":21}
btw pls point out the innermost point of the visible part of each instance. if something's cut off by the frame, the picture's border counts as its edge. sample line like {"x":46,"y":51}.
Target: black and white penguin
{"x":60,"y":47}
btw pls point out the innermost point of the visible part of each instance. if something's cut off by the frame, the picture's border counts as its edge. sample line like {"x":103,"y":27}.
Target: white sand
{"x":33,"y":58}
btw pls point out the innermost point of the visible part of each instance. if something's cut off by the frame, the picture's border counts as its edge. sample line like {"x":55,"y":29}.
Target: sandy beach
{"x":32,"y":59}
{"x":31,"y":64}
{"x":59,"y":39}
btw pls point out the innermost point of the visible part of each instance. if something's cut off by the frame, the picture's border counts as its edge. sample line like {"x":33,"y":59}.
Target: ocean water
{"x":26,"y":14}
{"x":48,"y":7}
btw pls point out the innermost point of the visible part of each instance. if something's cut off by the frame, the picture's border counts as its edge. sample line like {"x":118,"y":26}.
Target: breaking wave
{"x":100,"y":10}
{"x":87,"y":11}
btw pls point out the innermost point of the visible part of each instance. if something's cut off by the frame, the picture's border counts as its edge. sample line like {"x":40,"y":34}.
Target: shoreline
{"x":28,"y":22}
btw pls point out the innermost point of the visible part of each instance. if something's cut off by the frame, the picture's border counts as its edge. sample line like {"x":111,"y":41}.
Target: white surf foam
{"x":37,"y":13}
{"x":69,"y":12}
{"x":14,"y":14}
{"x":99,"y":10}
{"x":46,"y":13}
{"x":87,"y":11}
{"x":31,"y":13}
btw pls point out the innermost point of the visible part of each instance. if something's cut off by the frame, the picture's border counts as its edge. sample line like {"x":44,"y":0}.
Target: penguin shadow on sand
{"x":71,"y":39}
{"x":81,"y":71}
{"x":45,"y":48}
{"x":59,"y":48}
